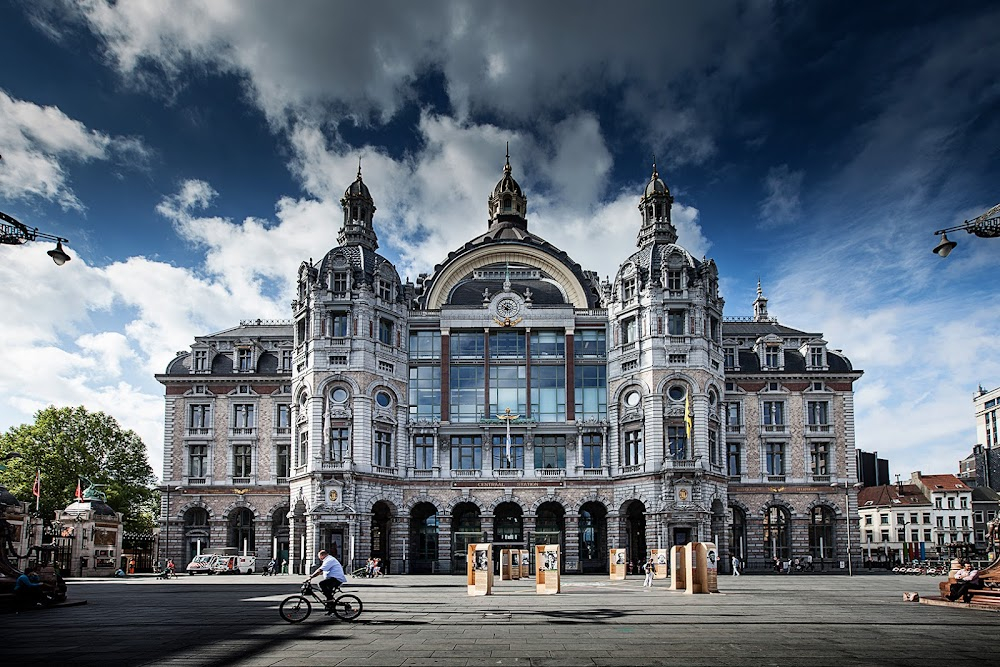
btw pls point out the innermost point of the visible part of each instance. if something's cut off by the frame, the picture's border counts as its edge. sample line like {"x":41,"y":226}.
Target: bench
{"x":989,"y":594}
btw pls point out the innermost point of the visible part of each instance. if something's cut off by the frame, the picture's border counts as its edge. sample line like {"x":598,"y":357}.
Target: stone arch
{"x":640,"y":497}
{"x":742,"y":506}
{"x":592,"y":498}
{"x":192,"y":504}
{"x":408,"y":506}
{"x":240,"y":504}
{"x":322,"y":388}
{"x":823,"y":502}
{"x":393,"y":505}
{"x":778,"y":502}
{"x":458,"y":500}
{"x":488,"y":254}
{"x":554,"y":498}
{"x":633,"y":383}
{"x":694,"y":385}
{"x":505,"y":499}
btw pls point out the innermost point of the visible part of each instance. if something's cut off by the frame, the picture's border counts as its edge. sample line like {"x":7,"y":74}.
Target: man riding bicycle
{"x":333,"y":576}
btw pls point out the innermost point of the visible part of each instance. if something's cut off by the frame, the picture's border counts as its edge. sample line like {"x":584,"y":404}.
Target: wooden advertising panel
{"x":661,"y":559}
{"x":515,"y":564}
{"x":525,"y":563}
{"x":678,"y":569}
{"x":508,"y":561}
{"x":691,"y":568}
{"x":708,"y":560}
{"x":480,"y":577}
{"x":617,"y":563}
{"x":547,"y":564}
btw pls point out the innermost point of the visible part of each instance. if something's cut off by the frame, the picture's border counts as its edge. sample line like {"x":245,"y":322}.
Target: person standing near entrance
{"x":649,"y":569}
{"x":736,"y":566}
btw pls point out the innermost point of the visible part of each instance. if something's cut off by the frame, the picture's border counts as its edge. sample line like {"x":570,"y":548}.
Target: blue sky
{"x":195,"y":152}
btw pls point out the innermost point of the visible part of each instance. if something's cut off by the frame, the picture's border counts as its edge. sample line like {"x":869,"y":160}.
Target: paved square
{"x":793,"y":620}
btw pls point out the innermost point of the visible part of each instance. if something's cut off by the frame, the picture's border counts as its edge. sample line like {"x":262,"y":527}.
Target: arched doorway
{"x":508,"y":523}
{"x":738,"y":534}
{"x":594,"y":537}
{"x":550,"y":527}
{"x":279,"y":536}
{"x":777,"y":536}
{"x":821,"y":522}
{"x":380,"y":535}
{"x":635,"y":532}
{"x":423,"y":538}
{"x":466,"y":529}
{"x":196,"y":532}
{"x":241,"y":531}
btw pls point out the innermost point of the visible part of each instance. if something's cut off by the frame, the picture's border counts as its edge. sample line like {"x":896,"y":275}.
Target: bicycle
{"x":296,"y":608}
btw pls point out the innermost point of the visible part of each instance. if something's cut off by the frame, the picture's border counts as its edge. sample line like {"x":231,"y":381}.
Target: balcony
{"x":192,"y":481}
{"x":508,"y":473}
{"x":466,"y":474}
{"x":424,"y":473}
{"x":550,"y":472}
{"x":773,"y":429}
{"x":821,"y":478}
{"x":336,"y":465}
{"x":734,"y":428}
{"x":281,"y":481}
{"x":241,"y":481}
{"x":680,"y":464}
{"x":388,"y":471}
{"x":243,"y":432}
{"x":199,"y":432}
{"x":283,"y":431}
{"x":817,"y":429}
{"x":735,"y":478}
{"x":775,"y":478}
{"x":595,"y":472}
{"x":631,"y":470}
{"x":340,"y":342}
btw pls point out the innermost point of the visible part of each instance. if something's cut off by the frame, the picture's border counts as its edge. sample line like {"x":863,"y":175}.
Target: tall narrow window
{"x":338,"y":446}
{"x":383,"y":449}
{"x":592,"y":448}
{"x":774,"y":458}
{"x":677,"y":442}
{"x":674,"y":283}
{"x":548,"y":393}
{"x":423,"y":452}
{"x":675,"y":322}
{"x":550,"y":452}
{"x":340,"y":324}
{"x":200,"y":360}
{"x":713,"y":448}
{"x":282,"y":463}
{"x":818,"y":413}
{"x":339,"y":282}
{"x":772,"y":356}
{"x":773,"y":413}
{"x":630,"y":331}
{"x":244,"y":357}
{"x":244,"y":418}
{"x":466,"y":452}
{"x":512,"y":458}
{"x":729,"y":357}
{"x":283,"y":418}
{"x":242,"y":458}
{"x":816,"y":357}
{"x":384,"y":290}
{"x":628,"y":289}
{"x":302,"y":455}
{"x":199,"y":418}
{"x":632,"y":448}
{"x":820,"y":458}
{"x":590,"y":387}
{"x":198,"y":461}
{"x":734,"y":416}
{"x":385,"y":331}
{"x":734,"y":458}
{"x":286,"y":360}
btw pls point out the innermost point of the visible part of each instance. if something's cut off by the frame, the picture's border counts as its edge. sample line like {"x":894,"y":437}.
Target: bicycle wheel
{"x":347,"y":607}
{"x":295,"y":609}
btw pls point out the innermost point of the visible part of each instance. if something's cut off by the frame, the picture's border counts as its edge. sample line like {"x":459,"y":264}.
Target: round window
{"x":632,"y":399}
{"x":383,"y":399}
{"x":339,"y":395}
{"x":676,"y":393}
{"x":712,"y":398}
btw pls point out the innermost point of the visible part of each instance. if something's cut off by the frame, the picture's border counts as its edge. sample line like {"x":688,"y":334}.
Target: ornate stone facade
{"x":509,"y":396}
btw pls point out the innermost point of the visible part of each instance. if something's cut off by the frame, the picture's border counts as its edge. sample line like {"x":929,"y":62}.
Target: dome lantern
{"x":508,"y":204}
{"x":654,"y":206}
{"x":359,"y":209}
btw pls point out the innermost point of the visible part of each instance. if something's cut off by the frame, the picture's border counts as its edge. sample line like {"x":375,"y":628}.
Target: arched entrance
{"x":508,"y":530}
{"x":380,"y":535}
{"x":594,"y":537}
{"x":635,"y":532}
{"x":196,"y":532}
{"x":241,"y":531}
{"x":423,"y":538}
{"x":279,"y":536}
{"x":466,"y":529}
{"x":738,"y":534}
{"x":550,"y":527}
{"x":821,"y":522}
{"x":777,"y":536}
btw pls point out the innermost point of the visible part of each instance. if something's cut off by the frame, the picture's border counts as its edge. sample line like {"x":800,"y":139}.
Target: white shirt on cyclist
{"x":332,"y":569}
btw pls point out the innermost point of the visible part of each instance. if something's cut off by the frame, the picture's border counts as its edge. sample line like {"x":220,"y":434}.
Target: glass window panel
{"x":548,"y":344}
{"x":425,"y":392}
{"x":548,"y":393}
{"x":507,"y":345}
{"x":590,"y":343}
{"x":508,"y":389}
{"x":590,"y":392}
{"x":467,"y":397}
{"x":468,"y":345}
{"x":500,"y":459}
{"x":550,"y":451}
{"x":466,"y":452}
{"x":425,"y":345}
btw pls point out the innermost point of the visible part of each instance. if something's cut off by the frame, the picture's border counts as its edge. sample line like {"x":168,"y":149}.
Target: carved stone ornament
{"x":630,"y":415}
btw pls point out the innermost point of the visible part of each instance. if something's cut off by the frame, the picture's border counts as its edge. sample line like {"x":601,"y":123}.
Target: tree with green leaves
{"x":69,"y":443}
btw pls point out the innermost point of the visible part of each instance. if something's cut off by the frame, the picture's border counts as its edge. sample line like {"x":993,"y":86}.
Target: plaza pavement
{"x":784,"y":620}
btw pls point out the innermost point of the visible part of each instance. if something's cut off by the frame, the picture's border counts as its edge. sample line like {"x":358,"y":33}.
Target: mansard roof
{"x":364,"y":262}
{"x":733,"y":328}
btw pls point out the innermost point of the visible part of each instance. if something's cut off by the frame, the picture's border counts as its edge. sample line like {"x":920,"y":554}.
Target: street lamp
{"x":13,"y":232}
{"x":847,"y":511}
{"x":986,"y":226}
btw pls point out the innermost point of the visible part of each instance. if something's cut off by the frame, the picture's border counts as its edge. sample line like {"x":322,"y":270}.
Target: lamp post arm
{"x":986,"y":225}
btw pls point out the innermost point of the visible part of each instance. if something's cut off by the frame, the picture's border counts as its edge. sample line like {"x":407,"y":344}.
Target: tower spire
{"x":760,"y":305}
{"x":654,"y":206}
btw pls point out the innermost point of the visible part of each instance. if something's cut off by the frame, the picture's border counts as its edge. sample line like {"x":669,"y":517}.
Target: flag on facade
{"x":79,"y":491}
{"x":688,"y":419}
{"x":36,"y":488}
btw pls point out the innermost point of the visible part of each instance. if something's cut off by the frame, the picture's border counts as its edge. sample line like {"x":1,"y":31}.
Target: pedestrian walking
{"x":736,"y":566}
{"x":649,"y":568}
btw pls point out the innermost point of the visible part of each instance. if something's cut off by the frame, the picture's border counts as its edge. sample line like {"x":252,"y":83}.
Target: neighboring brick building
{"x":376,"y":422}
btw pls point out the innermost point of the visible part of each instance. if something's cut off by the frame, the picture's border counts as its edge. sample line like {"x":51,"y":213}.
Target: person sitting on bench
{"x":966,"y":579}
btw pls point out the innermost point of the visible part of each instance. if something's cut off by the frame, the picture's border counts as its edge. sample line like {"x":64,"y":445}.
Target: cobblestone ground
{"x":793,"y":620}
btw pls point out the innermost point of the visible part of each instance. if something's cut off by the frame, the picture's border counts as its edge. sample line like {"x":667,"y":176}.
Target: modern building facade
{"x":513,"y":397}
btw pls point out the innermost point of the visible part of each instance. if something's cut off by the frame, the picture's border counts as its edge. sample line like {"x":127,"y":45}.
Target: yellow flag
{"x":688,"y":419}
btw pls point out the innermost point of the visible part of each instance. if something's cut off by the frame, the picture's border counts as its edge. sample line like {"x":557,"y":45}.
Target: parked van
{"x":201,"y":564}
{"x":234,"y":564}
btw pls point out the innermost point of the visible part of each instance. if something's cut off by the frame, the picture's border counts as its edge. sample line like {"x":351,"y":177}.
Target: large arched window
{"x":507,"y":523}
{"x":777,"y":533}
{"x":241,"y":530}
{"x":593,"y":537}
{"x":821,"y":523}
{"x":195,"y":517}
{"x":466,"y":529}
{"x":423,"y":537}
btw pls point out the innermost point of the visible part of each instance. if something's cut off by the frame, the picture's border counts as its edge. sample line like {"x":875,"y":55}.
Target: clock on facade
{"x":507,"y":307}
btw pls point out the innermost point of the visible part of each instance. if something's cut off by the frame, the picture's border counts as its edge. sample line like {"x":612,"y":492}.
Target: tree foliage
{"x":66,"y":443}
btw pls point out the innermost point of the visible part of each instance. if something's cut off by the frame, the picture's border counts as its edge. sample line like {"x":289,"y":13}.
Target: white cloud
{"x":782,"y":204}
{"x":38,"y":141}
